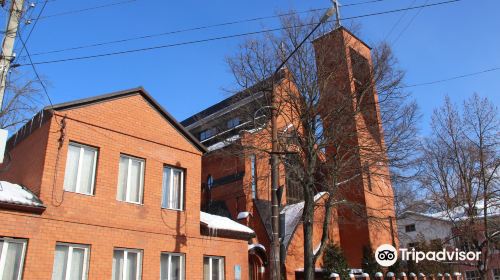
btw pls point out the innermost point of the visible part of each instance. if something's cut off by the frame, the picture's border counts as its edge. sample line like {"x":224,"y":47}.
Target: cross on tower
{"x":336,"y":5}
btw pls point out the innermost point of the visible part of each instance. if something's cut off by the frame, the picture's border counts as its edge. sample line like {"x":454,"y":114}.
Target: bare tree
{"x":323,"y":147}
{"x":460,"y":165}
{"x":21,"y":101}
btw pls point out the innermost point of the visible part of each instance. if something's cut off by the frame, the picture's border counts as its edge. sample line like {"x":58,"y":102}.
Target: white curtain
{"x":166,"y":187}
{"x":87,"y":171}
{"x":77,"y":263}
{"x":164,"y":267}
{"x":175,"y":273}
{"x":122,"y":179}
{"x":176,"y":190}
{"x":118,"y":265}
{"x":135,"y":180}
{"x":60,"y":259}
{"x":132,"y":259}
{"x":13,"y":260}
{"x":71,"y":168}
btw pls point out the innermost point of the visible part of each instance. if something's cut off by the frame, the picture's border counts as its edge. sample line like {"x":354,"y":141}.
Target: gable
{"x":129,"y":107}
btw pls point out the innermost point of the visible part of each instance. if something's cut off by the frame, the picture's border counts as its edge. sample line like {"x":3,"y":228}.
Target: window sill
{"x":86,"y":194}
{"x":131,"y":202}
{"x":172,"y":209}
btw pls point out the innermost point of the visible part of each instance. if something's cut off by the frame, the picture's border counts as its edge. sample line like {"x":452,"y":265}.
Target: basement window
{"x":410,"y":228}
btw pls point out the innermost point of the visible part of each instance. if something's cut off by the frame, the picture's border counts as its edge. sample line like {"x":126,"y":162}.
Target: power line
{"x":32,"y":28}
{"x":408,"y":25}
{"x":86,"y":9}
{"x":34,"y":70}
{"x":451,"y":78}
{"x":225,"y":37}
{"x":194,"y":29}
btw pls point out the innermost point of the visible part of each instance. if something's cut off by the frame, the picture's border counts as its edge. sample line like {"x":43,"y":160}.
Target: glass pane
{"x":122,"y":179}
{"x":60,"y":259}
{"x":77,"y":264}
{"x":13,"y":260}
{"x":71,"y":168}
{"x":131,"y":266}
{"x":215,"y":269}
{"x":176,"y":191}
{"x":87,"y":171}
{"x":166,"y":187}
{"x":206,"y":268}
{"x":118,"y":265}
{"x":175,"y":274}
{"x":135,"y":180}
{"x":164,"y":267}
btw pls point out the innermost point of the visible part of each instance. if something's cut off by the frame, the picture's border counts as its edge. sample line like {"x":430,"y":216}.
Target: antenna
{"x":336,"y":6}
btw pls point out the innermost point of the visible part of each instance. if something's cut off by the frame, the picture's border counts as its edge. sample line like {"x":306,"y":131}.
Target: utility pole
{"x":275,"y":203}
{"x":7,"y":57}
{"x":16,"y":10}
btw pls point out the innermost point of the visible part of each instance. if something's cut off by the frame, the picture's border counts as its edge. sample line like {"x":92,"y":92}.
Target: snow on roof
{"x":222,"y":223}
{"x":243,"y":215}
{"x":292,"y":214}
{"x":460,"y":213}
{"x":224,"y":143}
{"x":252,"y":246}
{"x":16,"y":194}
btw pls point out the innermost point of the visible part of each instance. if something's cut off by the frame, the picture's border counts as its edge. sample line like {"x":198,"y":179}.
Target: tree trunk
{"x":308,"y":216}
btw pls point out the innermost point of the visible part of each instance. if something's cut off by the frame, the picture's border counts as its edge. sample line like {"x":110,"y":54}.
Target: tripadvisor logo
{"x":386,"y":255}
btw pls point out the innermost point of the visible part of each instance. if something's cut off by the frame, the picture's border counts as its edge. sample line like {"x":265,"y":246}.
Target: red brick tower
{"x":346,"y":84}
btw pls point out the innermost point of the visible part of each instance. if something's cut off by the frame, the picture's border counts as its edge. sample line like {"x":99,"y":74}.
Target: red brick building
{"x":237,"y":179}
{"x":109,"y":188}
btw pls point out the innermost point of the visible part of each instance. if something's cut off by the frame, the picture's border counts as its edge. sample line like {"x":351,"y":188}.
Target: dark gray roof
{"x":124,"y":93}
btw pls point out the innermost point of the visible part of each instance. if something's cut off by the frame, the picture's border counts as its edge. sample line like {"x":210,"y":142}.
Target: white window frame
{"x":80,"y":164}
{"x":70,"y":246}
{"x":182,"y":260}
{"x":138,"y":275}
{"x":141,"y":180}
{"x":221,"y":267}
{"x":171,"y":189}
{"x":6,"y":241}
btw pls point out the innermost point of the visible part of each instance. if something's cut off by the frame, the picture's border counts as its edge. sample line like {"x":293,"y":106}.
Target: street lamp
{"x":275,"y":211}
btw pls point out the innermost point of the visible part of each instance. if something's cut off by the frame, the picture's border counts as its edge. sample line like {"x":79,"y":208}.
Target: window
{"x":410,"y":228}
{"x":472,"y":275}
{"x":173,"y":188}
{"x":80,"y":169}
{"x":213,"y":268}
{"x":210,"y":182}
{"x":233,"y":122}
{"x":130,"y":179}
{"x":70,"y":262}
{"x":12,"y":258}
{"x":127,"y":264}
{"x":293,"y":175}
{"x":496,"y":274}
{"x":253,"y":167}
{"x":172,"y":266}
{"x":205,"y":134}
{"x":413,"y":245}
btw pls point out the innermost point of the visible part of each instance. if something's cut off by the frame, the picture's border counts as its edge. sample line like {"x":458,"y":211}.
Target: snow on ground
{"x":222,"y":223}
{"x":14,"y":193}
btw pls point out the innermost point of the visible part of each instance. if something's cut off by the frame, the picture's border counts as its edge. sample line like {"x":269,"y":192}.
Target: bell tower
{"x":352,"y":114}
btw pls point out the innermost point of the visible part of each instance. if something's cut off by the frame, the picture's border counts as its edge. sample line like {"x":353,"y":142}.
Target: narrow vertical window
{"x":173,"y":188}
{"x":130,"y":179}
{"x":253,"y":167}
{"x":70,"y":262}
{"x":80,"y":171}
{"x":127,"y":264}
{"x":12,"y":253}
{"x":213,"y":268}
{"x":172,"y":266}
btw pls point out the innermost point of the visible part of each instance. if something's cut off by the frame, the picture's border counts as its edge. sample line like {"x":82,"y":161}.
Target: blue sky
{"x":441,"y":42}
